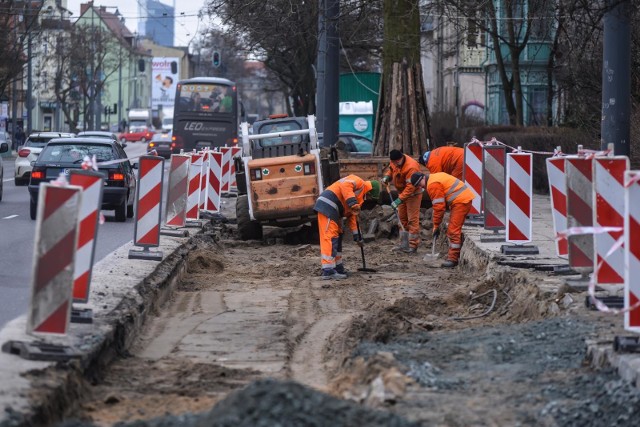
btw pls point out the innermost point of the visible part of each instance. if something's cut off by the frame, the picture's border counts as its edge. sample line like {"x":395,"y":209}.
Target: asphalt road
{"x":17,"y":239}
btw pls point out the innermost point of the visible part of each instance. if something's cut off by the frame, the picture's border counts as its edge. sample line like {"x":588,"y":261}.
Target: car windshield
{"x":37,"y":141}
{"x":279,"y":127}
{"x":75,"y":153}
{"x":163,"y":137}
{"x":362,"y":145}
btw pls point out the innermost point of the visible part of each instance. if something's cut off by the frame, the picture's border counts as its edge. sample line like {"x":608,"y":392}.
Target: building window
{"x":537,"y":106}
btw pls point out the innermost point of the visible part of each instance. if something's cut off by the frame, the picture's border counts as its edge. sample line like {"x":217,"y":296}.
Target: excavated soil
{"x":252,"y":336}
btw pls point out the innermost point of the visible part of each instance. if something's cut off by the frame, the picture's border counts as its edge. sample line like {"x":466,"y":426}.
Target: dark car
{"x":62,"y":155}
{"x":354,"y":143}
{"x":163,"y":144}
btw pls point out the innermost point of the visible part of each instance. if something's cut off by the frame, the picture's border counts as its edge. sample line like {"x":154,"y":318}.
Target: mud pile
{"x":268,"y":403}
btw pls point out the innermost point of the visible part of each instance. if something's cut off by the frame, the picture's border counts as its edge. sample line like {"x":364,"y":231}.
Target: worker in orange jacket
{"x":409,"y":198}
{"x":447,"y":191}
{"x":342,"y":199}
{"x":444,"y":159}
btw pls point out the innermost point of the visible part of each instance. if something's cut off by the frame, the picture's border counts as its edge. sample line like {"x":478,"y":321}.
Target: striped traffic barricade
{"x":55,"y":245}
{"x":226,"y":168}
{"x":472,"y":176}
{"x":148,"y":208}
{"x":519,"y":191}
{"x":632,"y":250}
{"x":579,"y":181}
{"x":214,"y":183}
{"x":176,"y":206}
{"x":608,"y":202}
{"x":91,"y":183}
{"x":493,"y":191}
{"x":193,"y":195}
{"x":233,"y":185}
{"x":204,"y":178}
{"x":558,"y":199}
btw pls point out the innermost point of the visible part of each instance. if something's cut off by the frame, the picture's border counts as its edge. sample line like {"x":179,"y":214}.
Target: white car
{"x":30,"y":151}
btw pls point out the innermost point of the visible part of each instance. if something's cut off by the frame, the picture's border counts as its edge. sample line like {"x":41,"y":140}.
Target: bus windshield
{"x":216,"y":98}
{"x":205,"y":113}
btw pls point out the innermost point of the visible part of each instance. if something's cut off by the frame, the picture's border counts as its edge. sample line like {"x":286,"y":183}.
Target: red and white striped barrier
{"x":204,"y":177}
{"x":176,"y":207}
{"x":214,"y":183}
{"x":53,"y":259}
{"x":472,"y":174}
{"x":608,"y":199}
{"x":233,"y":185}
{"x":632,"y":250}
{"x":193,"y":198}
{"x":519,"y":199}
{"x":493,"y":187}
{"x":148,"y":208}
{"x":91,"y":184}
{"x":579,"y":175}
{"x":558,"y":192}
{"x":226,"y":168}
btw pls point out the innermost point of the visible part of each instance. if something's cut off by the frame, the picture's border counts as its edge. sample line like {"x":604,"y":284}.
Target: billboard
{"x":165,"y":72}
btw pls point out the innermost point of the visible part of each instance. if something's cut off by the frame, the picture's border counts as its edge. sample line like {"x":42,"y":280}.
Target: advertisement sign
{"x":165,"y":72}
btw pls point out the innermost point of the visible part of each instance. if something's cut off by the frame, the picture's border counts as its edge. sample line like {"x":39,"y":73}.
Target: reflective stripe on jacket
{"x":401,"y":177}
{"x":337,"y":200}
{"x":446,"y":190}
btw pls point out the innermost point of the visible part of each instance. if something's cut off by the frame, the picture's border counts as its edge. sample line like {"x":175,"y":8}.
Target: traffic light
{"x":174,"y":67}
{"x":141,"y":65}
{"x":216,"y":59}
{"x":115,"y":109}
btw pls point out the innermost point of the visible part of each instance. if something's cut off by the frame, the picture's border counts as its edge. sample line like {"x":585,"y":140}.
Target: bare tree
{"x":82,"y":68}
{"x":284,"y":35}
{"x":18,"y":21}
{"x":402,"y":121}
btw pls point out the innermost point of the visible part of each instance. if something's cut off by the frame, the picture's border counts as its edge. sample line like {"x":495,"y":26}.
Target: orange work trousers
{"x":409,"y":212}
{"x":330,"y":242}
{"x":458,"y":214}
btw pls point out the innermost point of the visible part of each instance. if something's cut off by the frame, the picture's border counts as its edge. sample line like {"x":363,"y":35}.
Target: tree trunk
{"x":402,"y":116}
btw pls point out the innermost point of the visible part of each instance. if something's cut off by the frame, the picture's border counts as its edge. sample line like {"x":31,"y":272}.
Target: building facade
{"x":159,"y":24}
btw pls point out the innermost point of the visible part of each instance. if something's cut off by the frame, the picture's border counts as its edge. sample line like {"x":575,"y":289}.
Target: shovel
{"x":404,"y":234}
{"x":433,"y":255}
{"x":364,"y":262}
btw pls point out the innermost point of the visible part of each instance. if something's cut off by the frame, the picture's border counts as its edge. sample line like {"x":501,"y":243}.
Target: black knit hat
{"x":416,"y":177}
{"x":395,"y":155}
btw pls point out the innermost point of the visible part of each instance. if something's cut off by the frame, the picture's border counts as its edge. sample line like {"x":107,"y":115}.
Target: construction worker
{"x":444,"y":159}
{"x":447,"y":191}
{"x":342,"y":199}
{"x":409,"y":198}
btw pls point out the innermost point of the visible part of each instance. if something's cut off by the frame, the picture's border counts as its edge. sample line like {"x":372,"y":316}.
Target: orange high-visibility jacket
{"x":446,"y":190}
{"x":337,"y":200}
{"x":446,"y":159}
{"x":401,"y":177}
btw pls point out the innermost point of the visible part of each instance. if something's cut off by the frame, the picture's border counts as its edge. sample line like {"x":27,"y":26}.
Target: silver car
{"x":30,"y":151}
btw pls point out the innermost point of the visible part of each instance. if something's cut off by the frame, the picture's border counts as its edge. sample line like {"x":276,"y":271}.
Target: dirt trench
{"x":410,"y":339}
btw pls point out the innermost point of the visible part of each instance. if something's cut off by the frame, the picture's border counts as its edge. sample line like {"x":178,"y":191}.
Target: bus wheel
{"x":248,"y":229}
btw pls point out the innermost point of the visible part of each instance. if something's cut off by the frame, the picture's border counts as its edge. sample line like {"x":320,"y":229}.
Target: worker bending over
{"x":447,"y":191}
{"x":342,"y":199}
{"x":444,"y":159}
{"x":409,"y":198}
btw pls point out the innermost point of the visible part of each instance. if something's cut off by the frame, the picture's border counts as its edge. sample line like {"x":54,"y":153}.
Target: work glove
{"x":358,"y":239}
{"x":396,"y":203}
{"x":436,"y":233}
{"x":386,"y":179}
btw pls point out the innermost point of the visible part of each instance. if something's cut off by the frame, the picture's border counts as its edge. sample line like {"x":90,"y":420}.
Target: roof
{"x":52,"y":134}
{"x":83,"y":140}
{"x":207,"y":80}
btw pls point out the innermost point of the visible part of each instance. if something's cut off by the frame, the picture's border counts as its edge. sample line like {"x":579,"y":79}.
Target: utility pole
{"x":29,"y":74}
{"x":320,"y":66}
{"x":616,"y":80}
{"x":330,"y":10}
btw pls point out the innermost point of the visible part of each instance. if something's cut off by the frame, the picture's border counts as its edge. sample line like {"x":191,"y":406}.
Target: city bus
{"x":206,"y":114}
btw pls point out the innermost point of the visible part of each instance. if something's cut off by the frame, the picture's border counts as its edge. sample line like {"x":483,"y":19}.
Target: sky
{"x":186,"y":24}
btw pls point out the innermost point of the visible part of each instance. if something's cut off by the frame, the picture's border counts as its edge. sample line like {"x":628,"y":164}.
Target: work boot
{"x":341,"y":270}
{"x":331,"y":273}
{"x":449,"y":264}
{"x":410,"y":250}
